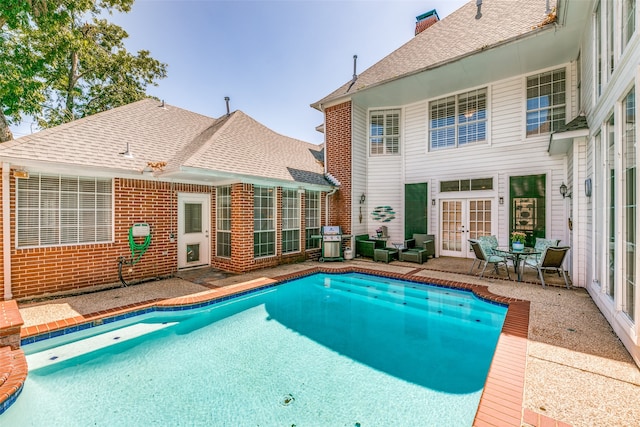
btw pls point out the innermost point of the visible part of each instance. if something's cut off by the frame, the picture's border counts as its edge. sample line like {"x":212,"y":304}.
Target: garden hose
{"x":137,"y":250}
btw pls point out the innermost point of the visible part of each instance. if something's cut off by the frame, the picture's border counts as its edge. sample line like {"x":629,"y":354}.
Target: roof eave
{"x":319,"y":105}
{"x":561,"y":142}
{"x":225,"y":178}
{"x":66,"y":168}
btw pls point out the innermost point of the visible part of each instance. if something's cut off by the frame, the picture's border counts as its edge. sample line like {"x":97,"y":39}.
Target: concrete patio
{"x":577,"y":372}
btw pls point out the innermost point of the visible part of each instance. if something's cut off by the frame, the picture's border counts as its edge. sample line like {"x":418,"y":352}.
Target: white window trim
{"x":487,"y":139}
{"x":319,"y":212}
{"x":59,"y":175}
{"x":275,"y":219}
{"x":218,"y":210}
{"x":299,"y":221}
{"x":568,"y":105}
{"x":400,"y":131}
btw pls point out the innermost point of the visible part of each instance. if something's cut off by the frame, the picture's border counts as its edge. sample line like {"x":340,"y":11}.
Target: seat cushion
{"x":495,"y":258}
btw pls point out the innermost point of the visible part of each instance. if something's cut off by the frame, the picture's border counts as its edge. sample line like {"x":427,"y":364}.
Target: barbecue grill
{"x":332,"y":243}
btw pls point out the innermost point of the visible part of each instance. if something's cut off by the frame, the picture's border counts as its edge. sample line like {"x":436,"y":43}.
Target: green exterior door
{"x":528,"y":206}
{"x":415,"y":209}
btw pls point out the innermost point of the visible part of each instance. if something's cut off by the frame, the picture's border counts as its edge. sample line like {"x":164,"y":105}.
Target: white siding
{"x":507,"y":153}
{"x":359,"y":146}
{"x":386,"y":188}
{"x":598,"y":109}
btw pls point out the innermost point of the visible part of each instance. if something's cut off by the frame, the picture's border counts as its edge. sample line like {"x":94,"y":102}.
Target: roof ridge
{"x":199,"y":142}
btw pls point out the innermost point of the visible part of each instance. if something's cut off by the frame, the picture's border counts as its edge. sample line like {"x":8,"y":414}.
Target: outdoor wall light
{"x":563,"y":191}
{"x":363,"y":198}
{"x":433,"y":202}
{"x":587,"y":187}
{"x":501,"y":200}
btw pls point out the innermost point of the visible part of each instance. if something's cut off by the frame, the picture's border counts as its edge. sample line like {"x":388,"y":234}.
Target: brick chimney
{"x":426,"y":20}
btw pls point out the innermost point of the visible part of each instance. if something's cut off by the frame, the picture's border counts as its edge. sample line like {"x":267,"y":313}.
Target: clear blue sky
{"x":272,"y":58}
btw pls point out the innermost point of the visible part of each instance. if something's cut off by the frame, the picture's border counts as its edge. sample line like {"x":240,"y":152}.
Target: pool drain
{"x":287,"y":400}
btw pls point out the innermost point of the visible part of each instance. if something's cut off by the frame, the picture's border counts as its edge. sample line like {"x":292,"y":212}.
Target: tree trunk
{"x":5,"y":132}
{"x":73,"y":77}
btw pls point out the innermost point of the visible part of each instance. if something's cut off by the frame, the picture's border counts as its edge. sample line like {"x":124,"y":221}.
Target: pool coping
{"x":501,"y":403}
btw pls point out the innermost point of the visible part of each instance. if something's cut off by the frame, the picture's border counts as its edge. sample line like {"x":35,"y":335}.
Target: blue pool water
{"x":324,"y":350}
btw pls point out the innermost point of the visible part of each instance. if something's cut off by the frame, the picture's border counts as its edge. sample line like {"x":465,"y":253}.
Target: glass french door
{"x":461,"y":220}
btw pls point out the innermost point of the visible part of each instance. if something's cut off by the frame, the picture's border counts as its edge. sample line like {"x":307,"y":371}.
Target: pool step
{"x":409,"y":289}
{"x":97,"y":342}
{"x":447,"y":309}
{"x":400,"y":293}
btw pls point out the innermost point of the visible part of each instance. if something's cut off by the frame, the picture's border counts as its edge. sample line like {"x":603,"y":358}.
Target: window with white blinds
{"x":458,"y":120}
{"x":63,"y":210}
{"x":223,"y":221}
{"x":384,"y":132}
{"x":290,"y":220}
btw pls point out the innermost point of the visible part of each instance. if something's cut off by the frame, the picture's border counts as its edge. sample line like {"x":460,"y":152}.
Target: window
{"x":628,"y":21}
{"x":223,"y":221}
{"x":546,"y":102}
{"x":629,"y":203}
{"x":597,"y":42}
{"x":458,"y":120}
{"x":610,"y":220}
{"x":466,"y":185}
{"x":264,"y":222}
{"x":384,"y":129}
{"x":63,"y":210}
{"x":610,"y":38}
{"x":290,"y":221}
{"x":312,"y":218}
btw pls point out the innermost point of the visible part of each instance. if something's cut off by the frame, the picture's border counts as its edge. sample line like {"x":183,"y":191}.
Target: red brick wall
{"x":49,"y":270}
{"x":1,"y":241}
{"x":338,"y":149}
{"x":242,"y":259}
{"x":39,"y":271}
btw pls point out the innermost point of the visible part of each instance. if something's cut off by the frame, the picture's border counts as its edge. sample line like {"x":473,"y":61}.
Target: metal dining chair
{"x":550,"y":259}
{"x":483,"y":257}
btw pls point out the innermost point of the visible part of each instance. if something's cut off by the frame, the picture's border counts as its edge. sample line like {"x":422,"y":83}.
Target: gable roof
{"x":456,"y":36}
{"x":162,"y":134}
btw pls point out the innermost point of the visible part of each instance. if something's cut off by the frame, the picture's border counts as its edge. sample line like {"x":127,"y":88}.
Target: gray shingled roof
{"x":234,"y":144}
{"x":456,"y":36}
{"x":578,"y":123}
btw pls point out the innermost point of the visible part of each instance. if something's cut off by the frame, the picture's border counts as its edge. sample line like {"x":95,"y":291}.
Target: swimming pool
{"x":323,"y":350}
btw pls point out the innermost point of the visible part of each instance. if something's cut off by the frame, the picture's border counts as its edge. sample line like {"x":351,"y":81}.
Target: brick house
{"x":506,"y":115}
{"x":225,"y":192}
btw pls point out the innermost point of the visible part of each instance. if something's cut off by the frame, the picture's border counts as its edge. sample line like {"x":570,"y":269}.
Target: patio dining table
{"x":516,"y":255}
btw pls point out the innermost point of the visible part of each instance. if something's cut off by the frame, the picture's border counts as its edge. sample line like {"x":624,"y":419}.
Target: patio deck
{"x":577,"y":371}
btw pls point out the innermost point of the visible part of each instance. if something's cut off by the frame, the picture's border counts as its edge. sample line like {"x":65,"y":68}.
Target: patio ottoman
{"x":386,"y":255}
{"x":414,"y":255}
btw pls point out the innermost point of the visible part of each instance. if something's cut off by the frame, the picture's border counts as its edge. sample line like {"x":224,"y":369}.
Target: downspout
{"x":6,"y":228}
{"x":326,"y":205}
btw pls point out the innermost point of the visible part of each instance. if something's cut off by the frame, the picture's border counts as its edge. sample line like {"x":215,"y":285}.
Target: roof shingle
{"x":457,"y":35}
{"x":161,"y":133}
